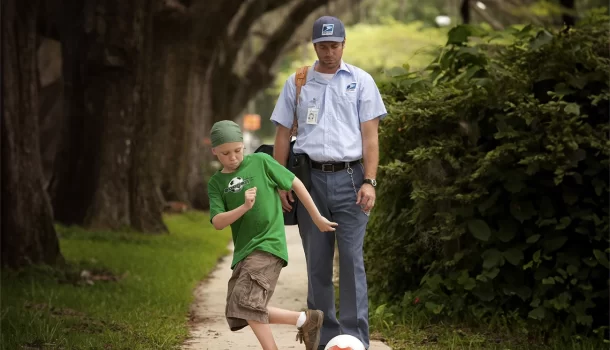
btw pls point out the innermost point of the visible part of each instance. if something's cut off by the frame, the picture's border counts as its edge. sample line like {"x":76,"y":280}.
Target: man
{"x":338,"y":117}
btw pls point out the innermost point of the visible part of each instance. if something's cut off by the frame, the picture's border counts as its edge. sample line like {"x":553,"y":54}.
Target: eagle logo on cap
{"x":327,"y":29}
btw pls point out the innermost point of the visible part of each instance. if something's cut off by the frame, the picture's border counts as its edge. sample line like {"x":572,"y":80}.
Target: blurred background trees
{"x":117,"y":96}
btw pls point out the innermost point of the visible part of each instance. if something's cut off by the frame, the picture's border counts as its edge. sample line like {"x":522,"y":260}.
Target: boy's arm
{"x":299,"y":188}
{"x":286,"y":180}
{"x":321,"y":222}
{"x":222,"y":220}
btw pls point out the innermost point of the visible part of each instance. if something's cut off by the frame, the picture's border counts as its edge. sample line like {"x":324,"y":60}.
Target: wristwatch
{"x":371,"y":182}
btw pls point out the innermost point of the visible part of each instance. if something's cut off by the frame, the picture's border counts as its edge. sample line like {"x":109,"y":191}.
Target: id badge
{"x":312,"y":115}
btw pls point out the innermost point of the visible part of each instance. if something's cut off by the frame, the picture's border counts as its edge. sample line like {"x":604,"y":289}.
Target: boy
{"x":258,"y":235}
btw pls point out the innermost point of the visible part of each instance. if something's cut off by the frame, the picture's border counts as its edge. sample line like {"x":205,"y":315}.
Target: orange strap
{"x":300,"y":79}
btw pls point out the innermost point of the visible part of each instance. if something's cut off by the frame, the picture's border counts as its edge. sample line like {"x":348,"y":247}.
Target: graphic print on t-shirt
{"x":237,"y":184}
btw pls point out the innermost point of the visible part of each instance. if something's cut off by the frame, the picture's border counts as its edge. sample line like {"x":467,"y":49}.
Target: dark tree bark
{"x":175,"y":65}
{"x":567,"y":16}
{"x":145,"y":178}
{"x":465,"y":11}
{"x":50,"y":97}
{"x":107,"y":175}
{"x":113,"y":96}
{"x":73,"y":180}
{"x":27,"y":232}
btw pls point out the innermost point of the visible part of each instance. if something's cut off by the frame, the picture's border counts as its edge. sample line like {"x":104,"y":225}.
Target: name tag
{"x":312,"y":115}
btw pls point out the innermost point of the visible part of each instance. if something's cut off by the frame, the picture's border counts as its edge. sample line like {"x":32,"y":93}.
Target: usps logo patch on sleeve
{"x":327,"y":29}
{"x":351,"y":87}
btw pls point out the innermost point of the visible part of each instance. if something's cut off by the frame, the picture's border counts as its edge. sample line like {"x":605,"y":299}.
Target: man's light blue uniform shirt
{"x":351,"y":97}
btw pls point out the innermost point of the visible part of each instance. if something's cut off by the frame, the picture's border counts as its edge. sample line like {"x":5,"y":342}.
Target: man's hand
{"x":324,"y":225}
{"x":366,"y":197}
{"x":286,"y":198}
{"x":250,"y":198}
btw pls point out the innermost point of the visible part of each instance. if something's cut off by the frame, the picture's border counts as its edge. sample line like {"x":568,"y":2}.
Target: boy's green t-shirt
{"x":262,"y":227}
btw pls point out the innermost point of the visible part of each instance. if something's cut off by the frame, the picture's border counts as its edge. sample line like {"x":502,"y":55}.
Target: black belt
{"x":332,"y":167}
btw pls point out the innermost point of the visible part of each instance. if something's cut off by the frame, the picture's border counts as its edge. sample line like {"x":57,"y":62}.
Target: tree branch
{"x":261,"y":34}
{"x":212,"y":15}
{"x":507,"y":7}
{"x":253,"y":12}
{"x":258,"y":74}
{"x":294,"y":44}
{"x":227,"y":48}
{"x":495,"y":24}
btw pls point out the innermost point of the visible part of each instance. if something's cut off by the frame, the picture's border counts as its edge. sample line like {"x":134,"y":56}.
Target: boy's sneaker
{"x":309,"y":332}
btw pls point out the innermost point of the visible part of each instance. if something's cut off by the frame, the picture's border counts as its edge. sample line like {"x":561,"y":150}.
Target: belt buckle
{"x":332,"y":168}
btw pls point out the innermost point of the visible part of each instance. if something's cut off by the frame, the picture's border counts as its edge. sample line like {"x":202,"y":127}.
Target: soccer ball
{"x":344,"y":342}
{"x":236,"y":184}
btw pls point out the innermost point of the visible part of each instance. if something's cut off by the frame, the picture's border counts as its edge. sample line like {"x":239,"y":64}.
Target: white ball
{"x":344,"y":342}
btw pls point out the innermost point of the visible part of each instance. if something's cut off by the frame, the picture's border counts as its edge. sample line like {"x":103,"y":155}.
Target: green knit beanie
{"x":225,"y":131}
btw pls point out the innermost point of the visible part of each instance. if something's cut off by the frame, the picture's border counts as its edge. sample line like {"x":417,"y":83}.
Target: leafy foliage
{"x":494,"y":179}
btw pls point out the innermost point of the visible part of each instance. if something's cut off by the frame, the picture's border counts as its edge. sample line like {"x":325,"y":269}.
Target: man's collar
{"x":343,"y":67}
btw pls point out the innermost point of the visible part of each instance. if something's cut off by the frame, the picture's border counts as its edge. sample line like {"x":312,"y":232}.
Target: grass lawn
{"x":412,"y":331}
{"x":453,"y":337}
{"x":134,"y":293}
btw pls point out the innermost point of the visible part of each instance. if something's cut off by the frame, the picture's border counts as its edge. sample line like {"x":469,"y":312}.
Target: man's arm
{"x":370,"y":147}
{"x":281,"y":146}
{"x":282,"y":117}
{"x":225,"y":219}
{"x":281,"y":149}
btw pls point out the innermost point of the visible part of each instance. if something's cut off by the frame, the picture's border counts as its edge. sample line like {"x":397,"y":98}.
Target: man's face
{"x":329,"y":53}
{"x":230,"y":155}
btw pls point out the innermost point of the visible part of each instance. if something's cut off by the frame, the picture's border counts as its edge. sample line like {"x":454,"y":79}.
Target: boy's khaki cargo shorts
{"x":250,"y":289}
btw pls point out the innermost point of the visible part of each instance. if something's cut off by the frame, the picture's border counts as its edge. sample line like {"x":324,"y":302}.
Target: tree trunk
{"x":567,"y":16}
{"x":175,"y":49}
{"x":465,"y":11}
{"x":145,"y":194}
{"x":108,"y":172}
{"x":199,"y":154}
{"x":50,"y":96}
{"x":27,"y":232}
{"x":73,"y":180}
{"x":119,"y":91}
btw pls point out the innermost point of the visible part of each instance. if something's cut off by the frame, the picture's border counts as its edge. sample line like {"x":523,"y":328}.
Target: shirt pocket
{"x":347,"y":106}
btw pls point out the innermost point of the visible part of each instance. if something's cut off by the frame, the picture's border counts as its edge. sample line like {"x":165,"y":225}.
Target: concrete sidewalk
{"x":210,"y":330}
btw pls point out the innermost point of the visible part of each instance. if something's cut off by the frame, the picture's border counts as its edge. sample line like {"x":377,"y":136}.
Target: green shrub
{"x":493,"y":193}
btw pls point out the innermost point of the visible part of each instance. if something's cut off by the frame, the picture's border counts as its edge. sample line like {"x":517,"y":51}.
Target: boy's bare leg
{"x":263,"y":334}
{"x":308,"y":325}
{"x":281,"y":316}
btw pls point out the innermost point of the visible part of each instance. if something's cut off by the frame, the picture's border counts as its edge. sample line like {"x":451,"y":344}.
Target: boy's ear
{"x":213,"y":151}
